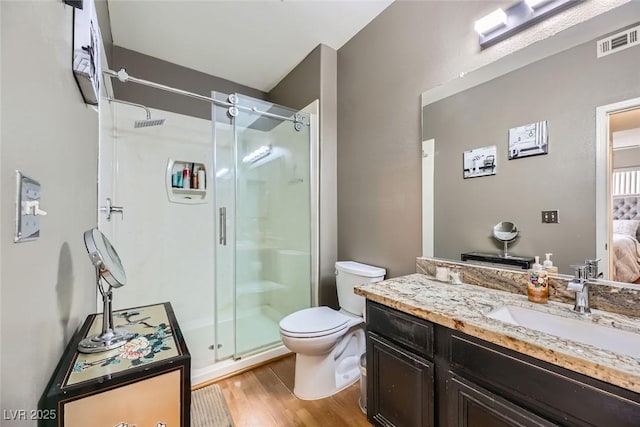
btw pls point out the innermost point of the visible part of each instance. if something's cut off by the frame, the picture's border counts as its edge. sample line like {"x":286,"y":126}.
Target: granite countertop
{"x":463,"y":307}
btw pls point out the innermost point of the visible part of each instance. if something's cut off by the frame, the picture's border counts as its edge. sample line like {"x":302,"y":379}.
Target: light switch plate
{"x":27,"y":224}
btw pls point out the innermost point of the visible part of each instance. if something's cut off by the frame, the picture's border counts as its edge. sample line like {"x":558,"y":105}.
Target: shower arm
{"x":133,"y":104}
{"x":124,"y":77}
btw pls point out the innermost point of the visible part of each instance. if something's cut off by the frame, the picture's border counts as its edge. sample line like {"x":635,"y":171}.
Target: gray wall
{"x":316,"y":78}
{"x":627,"y":158}
{"x":156,"y":70}
{"x":382,"y":71}
{"x":48,"y":285}
{"x":302,"y":85}
{"x":565,"y":90}
{"x":409,"y":48}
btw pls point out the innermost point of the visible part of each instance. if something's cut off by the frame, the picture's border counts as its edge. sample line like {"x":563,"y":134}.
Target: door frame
{"x":604,"y":169}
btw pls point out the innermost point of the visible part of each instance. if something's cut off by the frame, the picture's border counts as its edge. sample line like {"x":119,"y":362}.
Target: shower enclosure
{"x":262,"y":167}
{"x":233,"y":258}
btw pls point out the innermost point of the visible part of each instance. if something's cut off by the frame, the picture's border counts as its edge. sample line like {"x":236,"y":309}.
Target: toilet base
{"x":312,"y":385}
{"x":317,"y":377}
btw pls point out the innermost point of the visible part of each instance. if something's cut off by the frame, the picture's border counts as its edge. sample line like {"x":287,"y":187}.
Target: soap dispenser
{"x":548,"y":265}
{"x":538,"y":286}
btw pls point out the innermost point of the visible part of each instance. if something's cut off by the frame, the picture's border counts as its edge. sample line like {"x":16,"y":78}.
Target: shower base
{"x":254,"y":330}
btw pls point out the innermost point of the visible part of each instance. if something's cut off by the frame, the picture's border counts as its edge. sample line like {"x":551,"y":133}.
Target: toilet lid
{"x":314,"y":321}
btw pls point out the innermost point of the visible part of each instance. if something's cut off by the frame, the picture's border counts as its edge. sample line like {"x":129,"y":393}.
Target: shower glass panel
{"x":263,"y":250}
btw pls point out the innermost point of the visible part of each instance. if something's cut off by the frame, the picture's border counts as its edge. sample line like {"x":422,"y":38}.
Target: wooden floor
{"x":263,"y":397}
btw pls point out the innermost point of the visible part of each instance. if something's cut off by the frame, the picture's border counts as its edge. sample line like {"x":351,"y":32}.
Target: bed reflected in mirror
{"x":624,"y":140}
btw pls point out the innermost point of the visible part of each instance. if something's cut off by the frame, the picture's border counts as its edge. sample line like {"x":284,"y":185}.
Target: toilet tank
{"x":350,"y":274}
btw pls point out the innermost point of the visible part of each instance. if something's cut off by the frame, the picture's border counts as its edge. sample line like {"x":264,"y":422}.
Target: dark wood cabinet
{"x":469,"y":405}
{"x":402,"y":389}
{"x":558,"y":395}
{"x":423,"y":374}
{"x":400,"y":365}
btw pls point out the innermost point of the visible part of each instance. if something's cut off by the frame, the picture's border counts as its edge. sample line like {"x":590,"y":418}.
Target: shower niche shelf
{"x":189,"y":196}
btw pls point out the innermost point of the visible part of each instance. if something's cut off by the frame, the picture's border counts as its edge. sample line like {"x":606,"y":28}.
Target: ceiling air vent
{"x":618,"y":42}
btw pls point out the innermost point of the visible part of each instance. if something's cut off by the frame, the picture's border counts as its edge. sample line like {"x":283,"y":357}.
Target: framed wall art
{"x":528,"y":140}
{"x":479,"y":162}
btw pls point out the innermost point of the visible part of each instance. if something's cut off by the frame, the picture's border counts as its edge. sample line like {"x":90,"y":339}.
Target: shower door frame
{"x":312,"y":110}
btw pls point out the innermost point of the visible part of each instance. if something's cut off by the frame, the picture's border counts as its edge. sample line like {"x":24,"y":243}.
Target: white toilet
{"x":328,"y":343}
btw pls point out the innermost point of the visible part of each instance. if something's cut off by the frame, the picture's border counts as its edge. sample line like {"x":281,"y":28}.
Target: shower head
{"x":148,"y":122}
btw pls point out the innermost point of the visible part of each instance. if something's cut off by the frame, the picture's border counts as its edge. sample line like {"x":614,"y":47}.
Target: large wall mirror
{"x":618,"y":189}
{"x":563,"y":90}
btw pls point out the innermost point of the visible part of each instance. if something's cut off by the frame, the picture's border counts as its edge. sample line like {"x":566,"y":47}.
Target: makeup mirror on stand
{"x":109,"y":271}
{"x":505,"y":232}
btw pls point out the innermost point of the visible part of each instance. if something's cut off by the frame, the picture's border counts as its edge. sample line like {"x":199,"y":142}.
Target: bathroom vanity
{"x":434,"y":358}
{"x":145,"y":382}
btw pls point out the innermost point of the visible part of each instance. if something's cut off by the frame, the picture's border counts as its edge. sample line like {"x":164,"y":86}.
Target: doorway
{"x":618,"y":190}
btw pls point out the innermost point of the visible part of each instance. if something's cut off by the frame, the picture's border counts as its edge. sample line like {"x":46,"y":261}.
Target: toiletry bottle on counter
{"x":442,"y":274}
{"x":536,"y":264}
{"x":186,"y":176}
{"x":548,"y":265}
{"x":538,"y":286}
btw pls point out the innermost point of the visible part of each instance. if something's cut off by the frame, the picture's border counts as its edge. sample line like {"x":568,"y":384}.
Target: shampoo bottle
{"x":538,"y":286}
{"x":548,"y":265}
{"x":186,"y":176}
{"x":201,"y":179}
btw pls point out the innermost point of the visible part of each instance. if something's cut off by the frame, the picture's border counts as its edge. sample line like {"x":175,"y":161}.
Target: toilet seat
{"x":314,"y":322}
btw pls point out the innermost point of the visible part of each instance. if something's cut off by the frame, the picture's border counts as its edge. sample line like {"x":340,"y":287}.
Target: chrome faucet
{"x":592,"y":268}
{"x":580,"y":286}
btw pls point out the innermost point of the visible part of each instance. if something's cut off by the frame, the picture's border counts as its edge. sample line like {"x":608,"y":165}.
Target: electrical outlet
{"x":549,"y":217}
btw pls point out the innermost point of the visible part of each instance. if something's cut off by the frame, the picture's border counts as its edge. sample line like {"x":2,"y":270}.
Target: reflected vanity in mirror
{"x":109,"y":271}
{"x":505,"y":232}
{"x":501,"y":96}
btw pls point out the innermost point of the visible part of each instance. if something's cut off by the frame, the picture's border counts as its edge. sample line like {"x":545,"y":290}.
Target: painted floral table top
{"x":154,"y":341}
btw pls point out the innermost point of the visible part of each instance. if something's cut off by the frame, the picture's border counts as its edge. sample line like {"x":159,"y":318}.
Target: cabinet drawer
{"x":143,"y":403}
{"x":408,"y":331}
{"x":560,"y":395}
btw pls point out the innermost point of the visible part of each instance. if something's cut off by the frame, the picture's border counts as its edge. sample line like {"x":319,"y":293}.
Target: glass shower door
{"x":224,"y":182}
{"x":265,"y":236}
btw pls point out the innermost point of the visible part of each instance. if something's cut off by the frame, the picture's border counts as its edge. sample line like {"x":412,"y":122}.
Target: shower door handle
{"x":223,"y":226}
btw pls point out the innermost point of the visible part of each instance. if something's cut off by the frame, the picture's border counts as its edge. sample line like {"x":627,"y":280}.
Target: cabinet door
{"x":471,"y":406}
{"x":401,"y":386}
{"x":147,"y":403}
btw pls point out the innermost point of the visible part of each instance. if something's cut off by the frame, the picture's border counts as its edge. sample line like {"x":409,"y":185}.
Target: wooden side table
{"x":145,"y":383}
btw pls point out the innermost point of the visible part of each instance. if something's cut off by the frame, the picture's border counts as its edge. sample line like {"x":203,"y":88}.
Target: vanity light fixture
{"x":534,"y":4}
{"x":491,"y":22}
{"x":518,"y":17}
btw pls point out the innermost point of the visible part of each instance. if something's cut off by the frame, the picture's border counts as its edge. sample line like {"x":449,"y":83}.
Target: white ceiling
{"x":254,"y":43}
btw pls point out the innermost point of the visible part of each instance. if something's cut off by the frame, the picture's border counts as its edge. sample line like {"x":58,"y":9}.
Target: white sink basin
{"x":580,"y":330}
